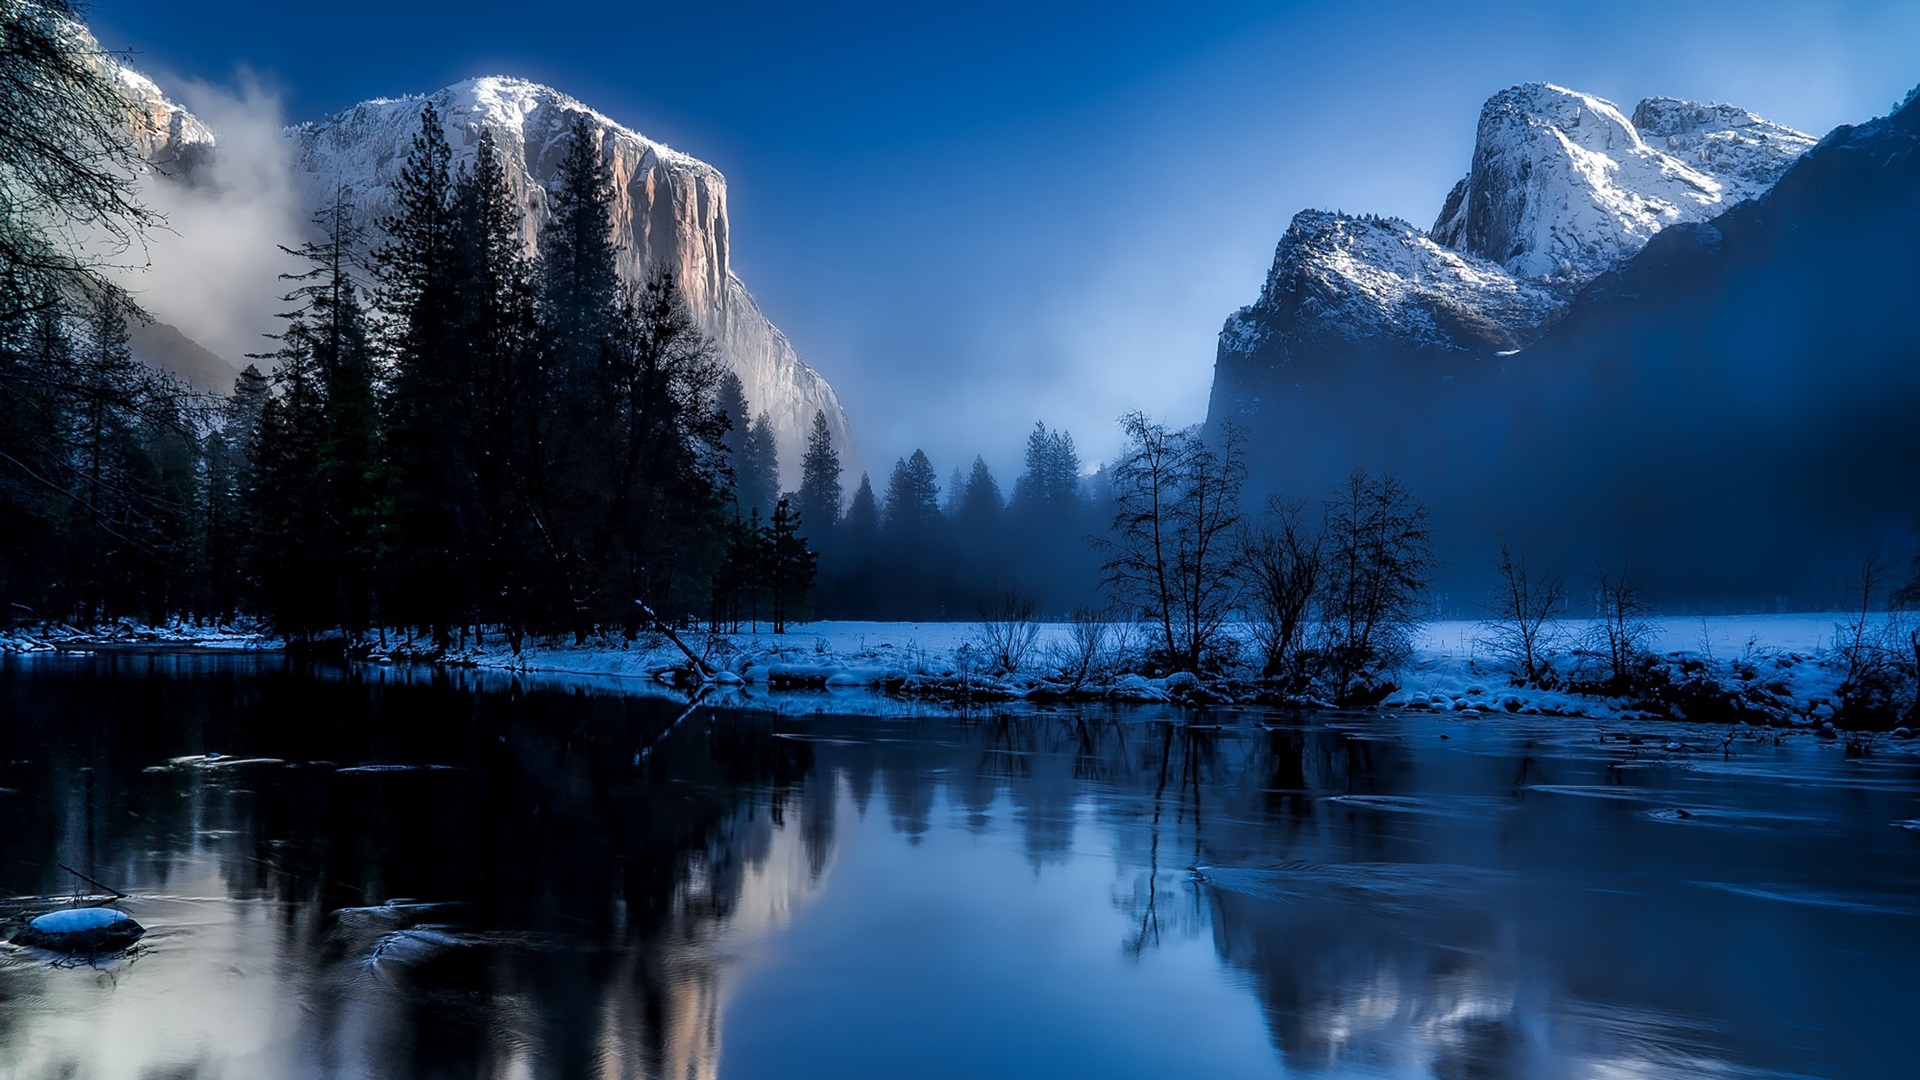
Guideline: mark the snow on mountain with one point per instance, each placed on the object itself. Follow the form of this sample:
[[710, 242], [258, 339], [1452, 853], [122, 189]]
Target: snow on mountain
[[1379, 280], [165, 134], [670, 212], [1564, 186]]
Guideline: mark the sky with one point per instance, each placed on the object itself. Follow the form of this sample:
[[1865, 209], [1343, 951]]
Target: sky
[[970, 217]]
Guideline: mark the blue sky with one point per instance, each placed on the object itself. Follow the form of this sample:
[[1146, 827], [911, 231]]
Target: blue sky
[[973, 216]]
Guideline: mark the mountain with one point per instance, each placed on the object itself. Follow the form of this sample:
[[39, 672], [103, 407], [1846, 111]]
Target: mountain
[[1743, 390], [1688, 342], [670, 212], [171, 139], [1562, 187], [163, 347]]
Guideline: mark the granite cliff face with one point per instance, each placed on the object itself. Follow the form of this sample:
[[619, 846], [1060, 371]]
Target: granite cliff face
[[1563, 188], [670, 212], [169, 137]]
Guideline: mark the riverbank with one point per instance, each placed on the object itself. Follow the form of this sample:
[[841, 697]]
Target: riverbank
[[1778, 670], [1769, 670]]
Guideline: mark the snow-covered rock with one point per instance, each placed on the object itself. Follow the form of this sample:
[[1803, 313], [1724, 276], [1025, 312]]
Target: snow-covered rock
[[669, 210], [1564, 186], [1343, 280], [82, 931], [166, 134]]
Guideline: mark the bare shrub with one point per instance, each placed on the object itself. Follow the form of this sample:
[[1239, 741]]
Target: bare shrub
[[1522, 630], [1873, 652], [1622, 632], [1280, 566], [1087, 652], [1008, 629]]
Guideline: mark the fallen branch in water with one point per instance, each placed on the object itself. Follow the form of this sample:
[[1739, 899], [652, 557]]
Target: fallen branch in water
[[96, 883]]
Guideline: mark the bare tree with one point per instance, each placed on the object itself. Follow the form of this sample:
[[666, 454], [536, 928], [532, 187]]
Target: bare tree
[[1170, 555], [1376, 565], [1621, 630], [69, 203], [1008, 628], [1280, 571], [1522, 604]]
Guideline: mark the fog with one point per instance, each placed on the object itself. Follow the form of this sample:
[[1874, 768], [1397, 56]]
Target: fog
[[213, 270]]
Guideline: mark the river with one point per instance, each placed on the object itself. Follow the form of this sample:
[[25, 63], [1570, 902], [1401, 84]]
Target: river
[[403, 872]]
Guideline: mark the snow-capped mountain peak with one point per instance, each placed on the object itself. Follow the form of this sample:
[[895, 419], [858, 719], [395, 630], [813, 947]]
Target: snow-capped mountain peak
[[1563, 185]]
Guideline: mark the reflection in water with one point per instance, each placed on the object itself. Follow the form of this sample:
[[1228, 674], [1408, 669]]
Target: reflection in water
[[405, 873]]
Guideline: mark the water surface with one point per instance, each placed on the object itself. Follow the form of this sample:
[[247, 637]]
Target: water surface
[[400, 873]]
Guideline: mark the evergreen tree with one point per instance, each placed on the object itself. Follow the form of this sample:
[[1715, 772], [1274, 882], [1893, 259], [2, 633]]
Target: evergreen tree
[[913, 495], [431, 418], [348, 455], [789, 567], [286, 561], [820, 494], [1051, 481], [232, 447], [757, 470], [506, 382], [956, 493], [980, 506], [863, 513], [731, 400]]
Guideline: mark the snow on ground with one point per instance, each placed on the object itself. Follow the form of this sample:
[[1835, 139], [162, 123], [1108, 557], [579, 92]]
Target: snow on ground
[[1781, 666], [60, 637]]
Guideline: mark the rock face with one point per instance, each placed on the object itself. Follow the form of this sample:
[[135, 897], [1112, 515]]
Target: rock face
[[1563, 188], [670, 212], [168, 136], [1346, 287]]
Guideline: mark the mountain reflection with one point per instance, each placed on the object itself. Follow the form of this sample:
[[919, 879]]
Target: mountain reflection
[[395, 873]]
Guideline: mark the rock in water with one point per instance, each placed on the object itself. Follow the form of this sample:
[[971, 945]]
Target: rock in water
[[82, 931]]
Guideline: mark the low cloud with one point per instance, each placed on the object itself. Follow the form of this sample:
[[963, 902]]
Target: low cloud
[[213, 271]]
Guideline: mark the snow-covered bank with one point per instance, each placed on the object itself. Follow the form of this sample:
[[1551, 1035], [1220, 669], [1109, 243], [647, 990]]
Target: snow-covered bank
[[60, 637], [1778, 669], [1775, 669]]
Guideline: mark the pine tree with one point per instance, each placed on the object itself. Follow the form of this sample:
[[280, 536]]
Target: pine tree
[[789, 567], [820, 494], [347, 459], [1051, 482], [431, 417], [286, 561], [507, 384], [980, 506], [757, 471], [231, 450], [863, 513], [913, 495]]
